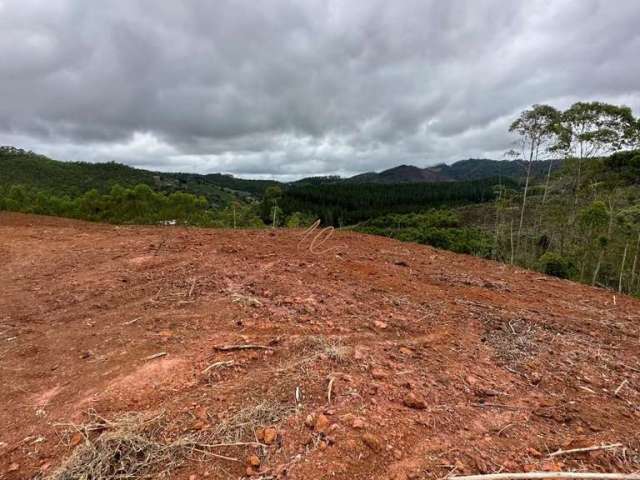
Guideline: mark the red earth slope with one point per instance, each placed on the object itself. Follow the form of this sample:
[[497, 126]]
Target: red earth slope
[[438, 363]]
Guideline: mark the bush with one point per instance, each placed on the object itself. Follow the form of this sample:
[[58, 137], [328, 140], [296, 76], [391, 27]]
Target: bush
[[556, 265]]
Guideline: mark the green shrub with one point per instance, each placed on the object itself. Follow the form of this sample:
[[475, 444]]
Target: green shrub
[[554, 264]]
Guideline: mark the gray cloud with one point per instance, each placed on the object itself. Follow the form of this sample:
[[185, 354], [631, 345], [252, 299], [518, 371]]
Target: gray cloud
[[291, 88]]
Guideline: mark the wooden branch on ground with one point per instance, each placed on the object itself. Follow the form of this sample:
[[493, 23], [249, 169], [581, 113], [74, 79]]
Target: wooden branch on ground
[[544, 475], [330, 389], [156, 355], [620, 387], [193, 285], [218, 365], [246, 346], [497, 405], [585, 449]]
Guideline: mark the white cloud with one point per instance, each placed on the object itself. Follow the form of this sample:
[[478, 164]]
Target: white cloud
[[287, 89]]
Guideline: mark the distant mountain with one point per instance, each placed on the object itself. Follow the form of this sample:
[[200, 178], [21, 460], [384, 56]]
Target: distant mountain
[[20, 167], [401, 174], [471, 169]]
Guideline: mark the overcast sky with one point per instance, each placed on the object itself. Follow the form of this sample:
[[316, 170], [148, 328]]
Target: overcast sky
[[287, 89]]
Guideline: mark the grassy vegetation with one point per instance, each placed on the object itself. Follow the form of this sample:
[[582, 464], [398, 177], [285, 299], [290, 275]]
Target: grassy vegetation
[[439, 228], [137, 205]]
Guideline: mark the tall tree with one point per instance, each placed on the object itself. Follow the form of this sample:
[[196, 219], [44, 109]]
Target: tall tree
[[629, 219], [591, 129], [537, 129]]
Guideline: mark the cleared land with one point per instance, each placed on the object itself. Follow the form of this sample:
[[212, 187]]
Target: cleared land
[[116, 340]]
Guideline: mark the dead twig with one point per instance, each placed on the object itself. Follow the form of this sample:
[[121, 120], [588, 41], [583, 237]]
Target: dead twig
[[620, 387], [631, 368], [193, 285], [131, 322], [330, 388], [497, 405], [585, 449], [246, 346], [156, 355], [542, 475], [218, 365]]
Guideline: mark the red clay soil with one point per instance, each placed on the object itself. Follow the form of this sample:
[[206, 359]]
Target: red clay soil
[[438, 363]]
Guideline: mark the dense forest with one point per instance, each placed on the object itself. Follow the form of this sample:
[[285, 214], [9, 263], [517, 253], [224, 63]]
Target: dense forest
[[574, 212], [347, 203]]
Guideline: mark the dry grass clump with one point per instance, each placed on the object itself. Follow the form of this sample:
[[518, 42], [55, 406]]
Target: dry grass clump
[[135, 446], [240, 426], [513, 341], [312, 349], [125, 448], [319, 347], [245, 300]]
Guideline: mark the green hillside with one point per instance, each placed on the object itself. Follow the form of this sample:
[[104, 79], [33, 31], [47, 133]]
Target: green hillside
[[20, 167]]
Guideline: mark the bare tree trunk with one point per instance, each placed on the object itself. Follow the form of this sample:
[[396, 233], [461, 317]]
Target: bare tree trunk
[[546, 183], [602, 250], [544, 195], [524, 198], [512, 249], [624, 258], [578, 181], [634, 264], [275, 209], [234, 216], [583, 266], [496, 238], [597, 270]]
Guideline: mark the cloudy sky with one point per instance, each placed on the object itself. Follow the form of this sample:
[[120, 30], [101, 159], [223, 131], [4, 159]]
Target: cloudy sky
[[287, 89]]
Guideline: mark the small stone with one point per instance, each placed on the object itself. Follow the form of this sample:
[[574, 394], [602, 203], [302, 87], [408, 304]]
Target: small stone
[[202, 413], [371, 441], [322, 423], [406, 351], [380, 324], [358, 423], [76, 438], [309, 421], [14, 466], [200, 425], [358, 354], [254, 461], [378, 374], [533, 452], [270, 435], [397, 454], [412, 401]]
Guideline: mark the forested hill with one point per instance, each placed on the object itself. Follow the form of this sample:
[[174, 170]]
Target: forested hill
[[463, 170], [20, 167]]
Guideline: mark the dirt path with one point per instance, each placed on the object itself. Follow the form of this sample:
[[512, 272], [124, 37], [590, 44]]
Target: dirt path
[[437, 362]]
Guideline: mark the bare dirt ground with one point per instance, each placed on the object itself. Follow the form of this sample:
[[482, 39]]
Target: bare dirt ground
[[436, 363]]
